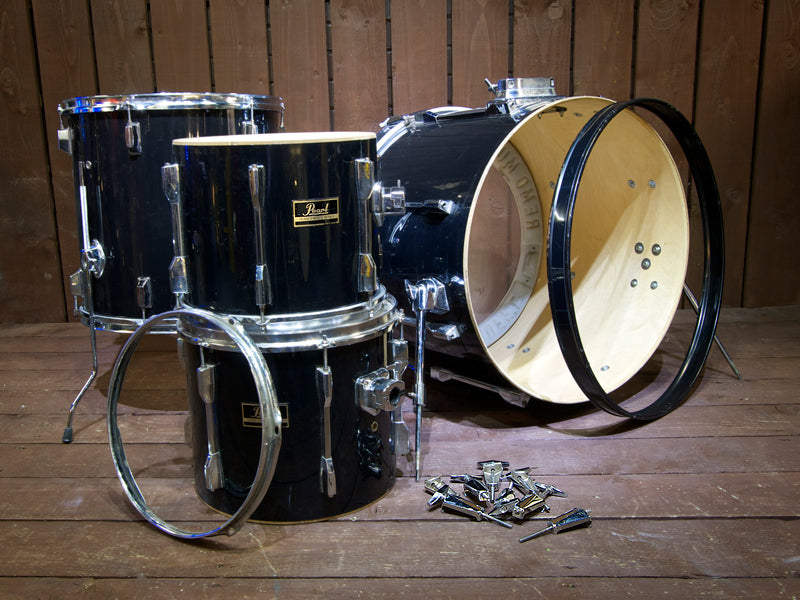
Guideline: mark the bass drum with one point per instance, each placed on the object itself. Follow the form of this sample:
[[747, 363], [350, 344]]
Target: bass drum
[[118, 144], [479, 187]]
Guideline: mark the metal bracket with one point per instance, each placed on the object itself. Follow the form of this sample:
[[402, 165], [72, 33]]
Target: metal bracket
[[263, 287], [144, 294], [511, 396], [378, 391], [325, 388]]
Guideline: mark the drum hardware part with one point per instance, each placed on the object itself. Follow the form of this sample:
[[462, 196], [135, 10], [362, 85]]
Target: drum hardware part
[[93, 257], [133, 135], [427, 295], [530, 504], [693, 301], [443, 331], [514, 397], [397, 352], [518, 96], [444, 495], [64, 133], [569, 520], [263, 282], [492, 474], [178, 271], [268, 411], [207, 388], [545, 490], [388, 201], [325, 388], [365, 181], [504, 504], [472, 486], [378, 390], [434, 207], [144, 295], [81, 282]]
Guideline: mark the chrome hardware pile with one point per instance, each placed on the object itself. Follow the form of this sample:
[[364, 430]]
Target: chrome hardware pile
[[485, 498]]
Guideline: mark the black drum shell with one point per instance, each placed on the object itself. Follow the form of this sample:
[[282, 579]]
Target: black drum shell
[[127, 210], [308, 268], [363, 458]]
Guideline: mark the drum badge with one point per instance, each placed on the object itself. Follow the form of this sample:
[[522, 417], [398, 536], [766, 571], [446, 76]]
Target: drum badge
[[316, 211]]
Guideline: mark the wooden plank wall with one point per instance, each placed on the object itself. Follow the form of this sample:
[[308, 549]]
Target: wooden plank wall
[[732, 66]]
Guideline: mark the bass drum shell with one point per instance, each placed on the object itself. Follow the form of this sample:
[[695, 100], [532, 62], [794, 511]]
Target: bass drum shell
[[312, 262], [363, 458], [127, 211], [630, 239]]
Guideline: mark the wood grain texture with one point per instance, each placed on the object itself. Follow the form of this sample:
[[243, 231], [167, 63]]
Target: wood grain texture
[[701, 503], [119, 24], [180, 46], [419, 55], [603, 48], [360, 82], [771, 274], [299, 63], [30, 269], [727, 88], [542, 41], [480, 49], [239, 46]]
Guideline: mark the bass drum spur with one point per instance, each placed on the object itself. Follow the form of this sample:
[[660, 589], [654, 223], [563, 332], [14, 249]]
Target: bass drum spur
[[535, 233]]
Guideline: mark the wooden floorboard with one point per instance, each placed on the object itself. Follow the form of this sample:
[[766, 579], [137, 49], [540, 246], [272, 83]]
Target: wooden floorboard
[[703, 503]]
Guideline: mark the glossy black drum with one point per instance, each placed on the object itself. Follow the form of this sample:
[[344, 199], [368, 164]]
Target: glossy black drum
[[340, 415], [479, 187], [273, 224], [274, 232], [118, 145]]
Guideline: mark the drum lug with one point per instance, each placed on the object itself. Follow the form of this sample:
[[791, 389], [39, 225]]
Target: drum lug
[[133, 138], [367, 277], [144, 294], [78, 287], [263, 287], [378, 391], [65, 140], [325, 388], [178, 271], [206, 387]]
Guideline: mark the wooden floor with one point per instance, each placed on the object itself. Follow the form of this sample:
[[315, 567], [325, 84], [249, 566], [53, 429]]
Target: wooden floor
[[703, 503]]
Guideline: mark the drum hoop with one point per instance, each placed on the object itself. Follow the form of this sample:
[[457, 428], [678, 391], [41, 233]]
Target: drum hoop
[[169, 101], [558, 259], [270, 425], [306, 331], [124, 324]]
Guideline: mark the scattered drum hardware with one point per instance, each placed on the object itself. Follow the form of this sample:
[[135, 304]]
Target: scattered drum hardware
[[272, 237], [484, 499], [493, 284], [118, 144]]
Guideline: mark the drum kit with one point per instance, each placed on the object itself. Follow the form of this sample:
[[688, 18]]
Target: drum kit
[[288, 266]]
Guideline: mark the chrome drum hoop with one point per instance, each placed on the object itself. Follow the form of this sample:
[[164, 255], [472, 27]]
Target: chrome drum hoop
[[123, 324], [270, 424], [305, 331], [168, 101]]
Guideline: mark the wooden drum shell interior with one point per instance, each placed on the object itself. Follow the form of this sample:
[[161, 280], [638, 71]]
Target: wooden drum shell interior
[[629, 250]]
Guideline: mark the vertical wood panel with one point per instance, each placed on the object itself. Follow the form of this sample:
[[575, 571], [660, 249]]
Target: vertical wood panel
[[725, 118], [480, 49], [360, 93], [30, 273], [603, 48], [299, 63], [772, 275], [666, 45], [419, 55], [542, 45], [180, 45], [66, 70], [239, 46], [122, 47]]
